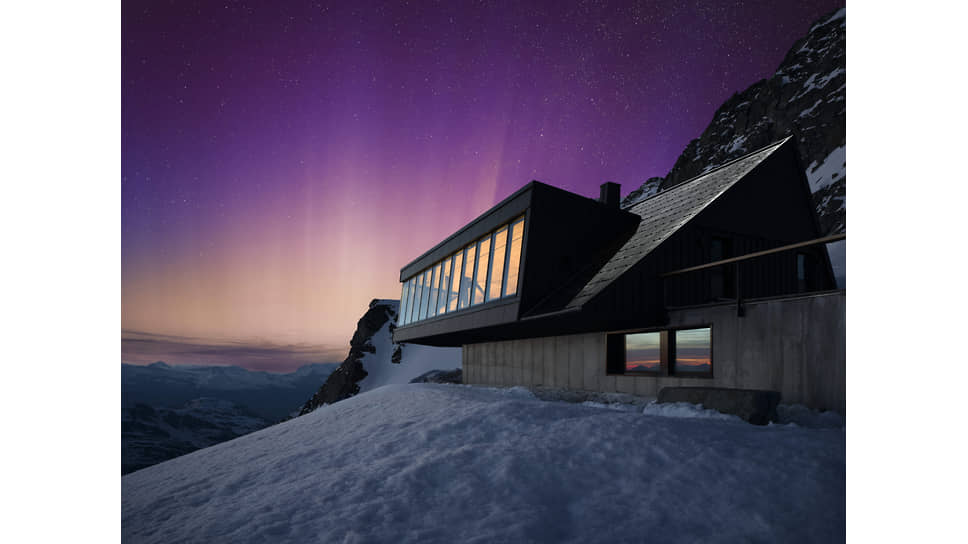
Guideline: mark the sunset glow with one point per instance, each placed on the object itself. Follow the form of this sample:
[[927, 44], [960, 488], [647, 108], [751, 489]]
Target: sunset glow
[[642, 352], [693, 350]]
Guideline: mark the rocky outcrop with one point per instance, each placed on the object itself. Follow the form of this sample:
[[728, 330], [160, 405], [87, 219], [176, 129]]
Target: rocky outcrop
[[343, 382], [806, 98]]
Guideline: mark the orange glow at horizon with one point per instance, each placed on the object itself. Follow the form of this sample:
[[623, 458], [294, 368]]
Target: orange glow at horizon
[[295, 269]]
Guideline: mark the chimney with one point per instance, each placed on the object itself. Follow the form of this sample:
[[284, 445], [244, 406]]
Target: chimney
[[610, 194]]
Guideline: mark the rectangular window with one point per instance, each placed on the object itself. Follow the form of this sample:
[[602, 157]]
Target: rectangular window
[[643, 352], [410, 298], [422, 298], [487, 269], [467, 277], [404, 294], [686, 353], [694, 353], [514, 258], [497, 268], [480, 279], [434, 290], [425, 299], [444, 287], [455, 281]]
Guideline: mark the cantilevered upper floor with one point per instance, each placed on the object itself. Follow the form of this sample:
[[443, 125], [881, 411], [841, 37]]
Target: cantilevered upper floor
[[546, 261], [509, 260]]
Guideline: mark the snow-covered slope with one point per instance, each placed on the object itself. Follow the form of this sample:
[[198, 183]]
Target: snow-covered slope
[[456, 463], [414, 359], [375, 360]]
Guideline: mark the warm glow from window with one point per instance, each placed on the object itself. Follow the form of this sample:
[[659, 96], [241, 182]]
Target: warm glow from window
[[455, 281], [497, 268], [514, 257], [486, 270], [480, 280]]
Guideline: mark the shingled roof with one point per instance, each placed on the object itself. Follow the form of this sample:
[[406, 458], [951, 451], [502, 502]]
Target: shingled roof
[[666, 212]]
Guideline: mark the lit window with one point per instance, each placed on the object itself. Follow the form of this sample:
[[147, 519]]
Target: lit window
[[424, 291], [497, 267], [693, 352], [480, 279], [455, 281], [468, 276], [434, 289], [444, 287], [643, 352], [514, 257]]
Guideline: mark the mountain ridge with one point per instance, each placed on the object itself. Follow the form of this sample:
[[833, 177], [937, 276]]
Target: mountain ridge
[[796, 100]]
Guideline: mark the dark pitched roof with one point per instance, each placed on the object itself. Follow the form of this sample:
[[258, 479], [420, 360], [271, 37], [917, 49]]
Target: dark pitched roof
[[666, 212]]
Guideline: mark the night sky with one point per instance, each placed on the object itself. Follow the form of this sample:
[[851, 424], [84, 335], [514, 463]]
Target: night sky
[[282, 162]]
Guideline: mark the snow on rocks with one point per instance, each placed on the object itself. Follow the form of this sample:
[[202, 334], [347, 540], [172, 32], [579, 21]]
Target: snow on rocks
[[834, 167], [458, 463]]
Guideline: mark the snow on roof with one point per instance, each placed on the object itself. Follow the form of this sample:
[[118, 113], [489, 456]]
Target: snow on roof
[[666, 212]]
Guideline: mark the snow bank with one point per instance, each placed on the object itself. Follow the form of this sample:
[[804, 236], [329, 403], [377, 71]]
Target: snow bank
[[687, 410], [457, 463]]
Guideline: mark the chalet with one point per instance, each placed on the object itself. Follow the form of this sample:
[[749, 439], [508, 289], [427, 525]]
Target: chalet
[[722, 281]]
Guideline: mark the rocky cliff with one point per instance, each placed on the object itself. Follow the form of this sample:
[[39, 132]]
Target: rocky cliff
[[806, 97], [375, 360]]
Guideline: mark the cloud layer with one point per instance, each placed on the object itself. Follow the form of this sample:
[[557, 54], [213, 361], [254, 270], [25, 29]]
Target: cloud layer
[[144, 348]]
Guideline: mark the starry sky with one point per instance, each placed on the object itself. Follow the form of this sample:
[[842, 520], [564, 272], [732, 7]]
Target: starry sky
[[281, 161]]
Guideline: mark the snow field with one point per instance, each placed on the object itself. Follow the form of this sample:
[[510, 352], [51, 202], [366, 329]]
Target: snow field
[[454, 463]]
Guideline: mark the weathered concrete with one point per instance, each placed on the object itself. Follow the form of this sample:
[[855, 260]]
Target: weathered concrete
[[793, 345]]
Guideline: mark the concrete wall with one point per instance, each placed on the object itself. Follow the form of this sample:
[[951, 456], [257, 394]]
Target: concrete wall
[[793, 345]]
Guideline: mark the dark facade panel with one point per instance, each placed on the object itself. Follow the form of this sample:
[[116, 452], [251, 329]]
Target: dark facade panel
[[570, 237]]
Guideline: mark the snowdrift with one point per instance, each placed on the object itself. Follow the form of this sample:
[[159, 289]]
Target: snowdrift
[[457, 463]]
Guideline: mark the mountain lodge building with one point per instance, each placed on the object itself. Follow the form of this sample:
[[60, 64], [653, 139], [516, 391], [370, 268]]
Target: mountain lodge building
[[722, 280]]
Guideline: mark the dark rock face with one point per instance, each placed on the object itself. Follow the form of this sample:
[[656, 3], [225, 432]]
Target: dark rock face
[[342, 383], [755, 406], [440, 376], [806, 98]]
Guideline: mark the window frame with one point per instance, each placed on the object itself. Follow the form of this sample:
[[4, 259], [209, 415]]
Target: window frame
[[667, 353], [422, 297]]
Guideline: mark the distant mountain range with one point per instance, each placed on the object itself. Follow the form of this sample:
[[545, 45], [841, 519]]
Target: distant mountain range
[[806, 98], [167, 411]]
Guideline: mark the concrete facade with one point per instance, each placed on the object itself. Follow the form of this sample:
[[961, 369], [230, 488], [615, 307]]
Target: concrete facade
[[794, 345]]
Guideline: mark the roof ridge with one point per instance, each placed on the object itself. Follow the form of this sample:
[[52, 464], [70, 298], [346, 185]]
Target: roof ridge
[[777, 143], [662, 221]]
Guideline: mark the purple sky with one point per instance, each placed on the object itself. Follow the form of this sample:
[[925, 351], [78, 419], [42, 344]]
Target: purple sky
[[282, 161]]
